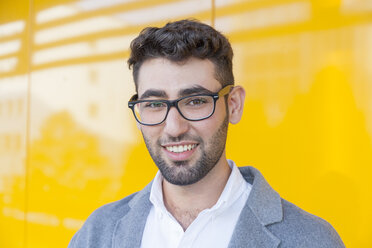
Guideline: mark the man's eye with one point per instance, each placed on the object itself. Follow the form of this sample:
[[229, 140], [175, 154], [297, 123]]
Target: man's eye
[[155, 105], [197, 101]]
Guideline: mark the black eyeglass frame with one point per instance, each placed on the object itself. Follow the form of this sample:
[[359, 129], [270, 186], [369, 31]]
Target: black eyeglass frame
[[174, 103]]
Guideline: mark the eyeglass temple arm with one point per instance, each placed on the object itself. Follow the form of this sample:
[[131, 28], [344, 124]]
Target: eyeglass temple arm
[[225, 90]]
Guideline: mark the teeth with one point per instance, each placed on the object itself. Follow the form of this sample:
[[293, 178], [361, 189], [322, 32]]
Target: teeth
[[179, 149]]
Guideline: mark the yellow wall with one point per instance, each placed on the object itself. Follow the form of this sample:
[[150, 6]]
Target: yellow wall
[[68, 142]]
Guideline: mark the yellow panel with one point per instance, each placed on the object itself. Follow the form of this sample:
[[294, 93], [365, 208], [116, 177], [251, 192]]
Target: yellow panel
[[13, 121], [85, 149], [308, 114]]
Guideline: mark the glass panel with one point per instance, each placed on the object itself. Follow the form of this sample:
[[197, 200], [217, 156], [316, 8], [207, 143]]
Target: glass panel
[[84, 143], [306, 68], [13, 121]]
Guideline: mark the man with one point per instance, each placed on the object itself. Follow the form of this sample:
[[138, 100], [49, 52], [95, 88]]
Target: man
[[185, 100]]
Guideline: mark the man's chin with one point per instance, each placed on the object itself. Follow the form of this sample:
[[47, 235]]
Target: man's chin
[[180, 180], [182, 173]]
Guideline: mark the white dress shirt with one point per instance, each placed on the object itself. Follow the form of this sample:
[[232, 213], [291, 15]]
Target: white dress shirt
[[213, 227]]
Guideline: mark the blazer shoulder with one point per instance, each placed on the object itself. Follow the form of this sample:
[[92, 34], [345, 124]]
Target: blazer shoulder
[[302, 229], [98, 228], [112, 210]]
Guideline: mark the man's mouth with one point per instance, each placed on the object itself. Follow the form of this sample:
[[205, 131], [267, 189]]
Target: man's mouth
[[180, 148], [180, 151]]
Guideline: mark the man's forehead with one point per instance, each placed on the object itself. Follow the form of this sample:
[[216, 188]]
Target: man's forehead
[[174, 76]]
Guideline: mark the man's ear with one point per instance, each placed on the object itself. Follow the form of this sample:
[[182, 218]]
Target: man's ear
[[236, 104]]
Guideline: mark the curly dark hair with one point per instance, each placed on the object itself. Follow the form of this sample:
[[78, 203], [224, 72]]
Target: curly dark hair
[[180, 40]]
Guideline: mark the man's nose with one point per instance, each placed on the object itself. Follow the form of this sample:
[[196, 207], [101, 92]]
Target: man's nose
[[175, 124]]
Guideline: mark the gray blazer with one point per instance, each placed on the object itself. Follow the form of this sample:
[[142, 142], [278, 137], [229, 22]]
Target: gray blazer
[[265, 221]]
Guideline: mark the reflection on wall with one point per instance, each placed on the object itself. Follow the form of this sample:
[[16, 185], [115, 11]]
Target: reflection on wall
[[13, 112], [12, 45], [84, 146]]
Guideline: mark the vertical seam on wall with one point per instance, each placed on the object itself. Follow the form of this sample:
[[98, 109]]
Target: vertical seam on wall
[[213, 13], [28, 114]]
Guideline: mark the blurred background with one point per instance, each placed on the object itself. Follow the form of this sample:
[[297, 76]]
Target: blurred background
[[69, 144]]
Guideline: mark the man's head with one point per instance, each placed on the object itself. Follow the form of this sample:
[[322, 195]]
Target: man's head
[[180, 40], [184, 63]]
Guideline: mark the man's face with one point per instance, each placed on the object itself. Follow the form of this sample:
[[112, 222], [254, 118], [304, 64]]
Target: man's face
[[204, 140]]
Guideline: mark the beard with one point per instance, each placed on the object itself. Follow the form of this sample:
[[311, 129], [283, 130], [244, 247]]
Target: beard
[[182, 172]]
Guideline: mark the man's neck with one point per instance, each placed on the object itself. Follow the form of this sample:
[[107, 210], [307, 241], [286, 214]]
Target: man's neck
[[186, 202]]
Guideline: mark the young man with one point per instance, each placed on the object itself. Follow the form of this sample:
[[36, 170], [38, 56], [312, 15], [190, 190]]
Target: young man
[[185, 100]]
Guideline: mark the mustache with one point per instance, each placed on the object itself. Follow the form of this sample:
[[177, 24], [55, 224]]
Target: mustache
[[180, 138]]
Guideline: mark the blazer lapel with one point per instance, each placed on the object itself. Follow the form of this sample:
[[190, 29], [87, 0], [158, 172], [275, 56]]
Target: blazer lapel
[[250, 232], [129, 229], [263, 207]]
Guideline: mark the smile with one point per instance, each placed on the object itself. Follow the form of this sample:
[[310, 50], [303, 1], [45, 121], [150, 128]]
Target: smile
[[180, 148]]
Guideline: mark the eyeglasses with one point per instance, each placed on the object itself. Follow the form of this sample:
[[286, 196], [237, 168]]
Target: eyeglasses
[[193, 108]]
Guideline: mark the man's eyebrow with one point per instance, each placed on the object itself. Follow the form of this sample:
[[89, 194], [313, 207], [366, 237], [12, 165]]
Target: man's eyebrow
[[194, 90], [153, 93]]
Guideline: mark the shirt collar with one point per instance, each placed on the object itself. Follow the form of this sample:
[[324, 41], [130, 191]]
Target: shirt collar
[[156, 194], [235, 186]]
